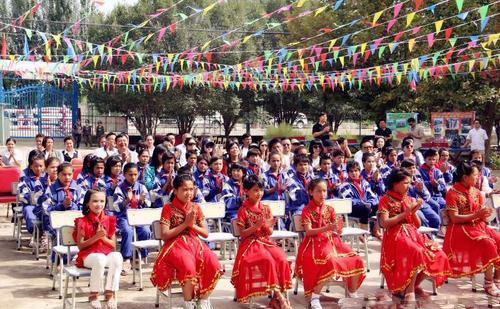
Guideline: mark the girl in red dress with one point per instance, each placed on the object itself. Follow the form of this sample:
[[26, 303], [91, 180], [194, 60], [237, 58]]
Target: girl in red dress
[[184, 256], [407, 257], [322, 255], [260, 266], [95, 236], [471, 246]]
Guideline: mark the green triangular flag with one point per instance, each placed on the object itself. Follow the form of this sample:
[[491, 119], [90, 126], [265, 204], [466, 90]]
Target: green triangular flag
[[139, 57], [267, 54], [435, 58], [28, 33], [453, 41], [395, 66], [460, 4], [65, 59], [483, 11], [381, 51], [335, 55], [316, 65], [125, 38]]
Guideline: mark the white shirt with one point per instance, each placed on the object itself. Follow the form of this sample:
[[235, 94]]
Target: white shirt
[[103, 153], [134, 158], [181, 148], [8, 161], [244, 151], [477, 137], [358, 157], [418, 135], [287, 159]]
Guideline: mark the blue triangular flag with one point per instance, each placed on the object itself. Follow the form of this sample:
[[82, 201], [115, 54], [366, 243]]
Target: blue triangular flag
[[26, 48], [432, 8], [484, 22], [337, 4], [463, 15], [345, 38]]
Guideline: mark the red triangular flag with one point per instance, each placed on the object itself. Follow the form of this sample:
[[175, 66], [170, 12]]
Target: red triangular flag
[[417, 4], [172, 28], [447, 34]]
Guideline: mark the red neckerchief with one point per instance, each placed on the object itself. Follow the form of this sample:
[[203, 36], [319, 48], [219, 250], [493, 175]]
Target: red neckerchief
[[369, 176], [430, 171], [67, 192], [357, 184], [341, 172], [94, 186], [256, 208], [168, 178], [96, 220], [184, 207], [278, 182], [254, 167], [467, 191], [241, 188], [304, 179], [218, 183]]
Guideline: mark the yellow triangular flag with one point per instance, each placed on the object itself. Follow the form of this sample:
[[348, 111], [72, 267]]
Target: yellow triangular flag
[[57, 38], [148, 37], [377, 69], [301, 61], [409, 19], [405, 68], [205, 45], [411, 43], [342, 60], [438, 25], [363, 48], [376, 17], [245, 39], [320, 10], [95, 58], [301, 3], [332, 43], [208, 8], [471, 64]]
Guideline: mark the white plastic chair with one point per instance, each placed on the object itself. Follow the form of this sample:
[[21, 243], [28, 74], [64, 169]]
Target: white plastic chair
[[278, 212], [343, 207], [139, 217], [58, 219], [298, 227], [216, 212]]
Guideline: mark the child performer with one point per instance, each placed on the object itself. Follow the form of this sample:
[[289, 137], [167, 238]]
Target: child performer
[[184, 256], [260, 265], [95, 237], [322, 255], [408, 257]]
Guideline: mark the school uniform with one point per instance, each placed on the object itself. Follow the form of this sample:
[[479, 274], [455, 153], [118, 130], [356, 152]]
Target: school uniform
[[418, 159], [53, 200], [448, 174], [429, 211], [202, 182], [232, 195], [254, 169], [216, 184], [385, 171], [340, 172], [432, 173], [364, 200], [81, 177], [146, 176], [332, 182], [377, 185], [159, 195], [276, 181], [30, 189], [121, 205], [487, 173], [297, 190], [68, 156], [94, 183]]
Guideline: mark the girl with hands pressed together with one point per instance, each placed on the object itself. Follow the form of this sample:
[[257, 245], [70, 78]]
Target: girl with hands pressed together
[[260, 265], [95, 237], [322, 255], [407, 257], [184, 256], [470, 244]]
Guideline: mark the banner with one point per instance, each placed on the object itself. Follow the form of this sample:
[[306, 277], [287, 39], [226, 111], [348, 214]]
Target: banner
[[398, 123], [447, 126]]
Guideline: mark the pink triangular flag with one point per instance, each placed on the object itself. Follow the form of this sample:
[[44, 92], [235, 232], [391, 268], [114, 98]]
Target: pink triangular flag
[[390, 24], [397, 8], [416, 30], [430, 39], [161, 34]]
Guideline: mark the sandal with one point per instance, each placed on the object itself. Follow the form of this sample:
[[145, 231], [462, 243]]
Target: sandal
[[409, 298], [94, 301], [111, 303], [127, 268], [490, 288]]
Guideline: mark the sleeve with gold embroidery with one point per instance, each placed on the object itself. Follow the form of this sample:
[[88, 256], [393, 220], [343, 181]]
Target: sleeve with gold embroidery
[[199, 215], [306, 217], [337, 220], [383, 206], [241, 219], [451, 200], [166, 215]]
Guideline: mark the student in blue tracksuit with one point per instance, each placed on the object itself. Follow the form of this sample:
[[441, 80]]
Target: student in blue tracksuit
[[326, 173], [87, 160], [433, 178], [232, 191], [364, 200], [62, 195], [112, 176], [390, 159], [297, 186], [216, 179], [146, 172], [31, 188], [429, 211], [275, 179], [476, 155], [200, 176], [253, 159], [445, 166], [95, 177], [164, 180], [338, 165], [371, 174], [130, 194]]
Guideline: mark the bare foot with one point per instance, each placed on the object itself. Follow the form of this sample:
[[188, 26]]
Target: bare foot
[[419, 292]]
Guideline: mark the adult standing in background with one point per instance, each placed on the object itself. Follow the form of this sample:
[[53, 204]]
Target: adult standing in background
[[150, 143], [109, 149], [68, 153], [416, 132], [246, 140], [77, 133], [180, 150], [87, 134], [385, 132], [477, 138], [11, 156], [39, 145], [48, 144], [321, 129], [99, 130]]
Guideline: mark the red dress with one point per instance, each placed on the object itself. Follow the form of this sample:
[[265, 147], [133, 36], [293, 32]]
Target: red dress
[[471, 247], [405, 251], [260, 265], [324, 256], [185, 257], [88, 227]]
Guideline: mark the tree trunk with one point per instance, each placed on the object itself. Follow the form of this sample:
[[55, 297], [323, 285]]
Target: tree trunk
[[488, 123]]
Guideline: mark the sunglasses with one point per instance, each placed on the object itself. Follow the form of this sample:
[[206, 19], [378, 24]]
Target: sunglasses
[[192, 144]]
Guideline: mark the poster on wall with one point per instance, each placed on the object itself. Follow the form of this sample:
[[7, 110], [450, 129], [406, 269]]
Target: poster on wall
[[398, 123], [447, 126]]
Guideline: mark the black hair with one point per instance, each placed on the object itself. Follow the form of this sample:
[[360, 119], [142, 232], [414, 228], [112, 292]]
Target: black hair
[[273, 142], [39, 135], [45, 139], [67, 138], [463, 169], [87, 160], [201, 158], [366, 139], [274, 153], [159, 150], [141, 151], [9, 140], [179, 180], [473, 152], [190, 153], [300, 159], [388, 150], [298, 149], [411, 119], [405, 143], [352, 165], [314, 143], [236, 166], [37, 156], [129, 166], [313, 183], [185, 170], [51, 159], [121, 135], [407, 163], [430, 153], [213, 160], [86, 200], [324, 157], [245, 135], [253, 180], [94, 163], [253, 153], [64, 165], [477, 163], [407, 138], [337, 152], [397, 175], [441, 150], [110, 162], [110, 134], [167, 156], [186, 142], [366, 156], [230, 144]]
